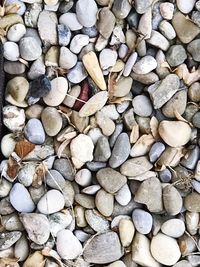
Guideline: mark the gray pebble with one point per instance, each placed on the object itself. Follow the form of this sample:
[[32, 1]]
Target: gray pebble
[[121, 8], [155, 151], [102, 151], [196, 17], [97, 222], [129, 64], [133, 19], [142, 106], [95, 165], [88, 7], [142, 220], [55, 180], [123, 50], [193, 156], [196, 120], [167, 30], [21, 199], [29, 48], [64, 6], [67, 59], [78, 42], [70, 20], [36, 69], [8, 239], [172, 200], [77, 73], [106, 22], [196, 185], [142, 6], [34, 131], [64, 167], [26, 174], [90, 31], [11, 51], [64, 35], [117, 131], [165, 176], [121, 151], [176, 55], [14, 67]]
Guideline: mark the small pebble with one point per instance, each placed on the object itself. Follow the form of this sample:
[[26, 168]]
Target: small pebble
[[155, 151], [145, 65], [173, 227], [89, 6], [34, 132], [29, 48], [107, 58], [11, 51], [70, 20], [16, 32], [78, 42], [51, 120], [142, 220]]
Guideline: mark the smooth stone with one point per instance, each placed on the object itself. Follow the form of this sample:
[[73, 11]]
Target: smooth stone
[[70, 20], [123, 50], [68, 246], [88, 7], [39, 87], [37, 69], [107, 248], [173, 227], [59, 221], [196, 120], [165, 176], [163, 91], [194, 92], [110, 111], [191, 202], [169, 248], [194, 260], [51, 202], [51, 58], [135, 166], [185, 29], [78, 42], [123, 86], [65, 168], [37, 227], [110, 180], [102, 150], [193, 156], [177, 103], [106, 125], [104, 202], [81, 148], [64, 7], [167, 10], [8, 239], [182, 263], [29, 48], [83, 177], [158, 40], [196, 17], [168, 128], [167, 30], [176, 55], [21, 199], [121, 8], [67, 59], [21, 6], [172, 200], [81, 235], [34, 132], [68, 193], [21, 249], [7, 145], [142, 106], [97, 222], [141, 251], [129, 64], [150, 194], [16, 32], [106, 22], [14, 67], [123, 196], [90, 31], [91, 190], [5, 188], [26, 174], [10, 19], [11, 51], [107, 58], [147, 79], [77, 74], [64, 35], [145, 65], [85, 201], [142, 6], [95, 134], [155, 151], [48, 34], [55, 180], [126, 232], [145, 24], [51, 120], [142, 221], [13, 118], [34, 111], [74, 93], [95, 165], [185, 7]]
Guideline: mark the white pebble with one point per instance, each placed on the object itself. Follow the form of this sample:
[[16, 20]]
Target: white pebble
[[173, 227], [83, 177], [16, 32], [78, 42], [145, 65], [67, 59], [129, 64], [123, 196], [7, 144], [185, 6], [70, 20], [11, 51], [107, 58]]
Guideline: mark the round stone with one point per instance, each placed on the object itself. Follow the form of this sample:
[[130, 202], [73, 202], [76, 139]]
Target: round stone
[[104, 202], [107, 58], [193, 49], [172, 200], [165, 249], [83, 177], [67, 59], [173, 227], [176, 55], [142, 220], [185, 7], [16, 32], [77, 74], [194, 92], [155, 151], [29, 48], [88, 7], [70, 20], [34, 131], [26, 174], [11, 51], [145, 65], [142, 106], [51, 202], [8, 144], [78, 42], [51, 120]]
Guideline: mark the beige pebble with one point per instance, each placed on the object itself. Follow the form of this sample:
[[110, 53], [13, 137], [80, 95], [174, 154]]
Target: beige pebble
[[126, 232]]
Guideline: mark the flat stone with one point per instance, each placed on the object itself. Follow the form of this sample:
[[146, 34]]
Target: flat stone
[[142, 221], [172, 200], [48, 34], [85, 201], [169, 247], [51, 120], [89, 6], [106, 22], [167, 30], [107, 248], [158, 40], [142, 106], [37, 227], [156, 150], [123, 86], [110, 180], [14, 67], [55, 180], [173, 227]]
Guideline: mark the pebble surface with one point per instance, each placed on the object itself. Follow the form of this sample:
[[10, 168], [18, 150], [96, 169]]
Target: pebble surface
[[100, 152]]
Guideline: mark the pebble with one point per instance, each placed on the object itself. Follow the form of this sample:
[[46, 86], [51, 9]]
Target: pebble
[[123, 196], [5, 188], [117, 264], [59, 221], [176, 55], [89, 6], [97, 222], [64, 35], [26, 174], [191, 202], [105, 123], [182, 130], [68, 246], [167, 10], [107, 248], [37, 227], [34, 132], [123, 86], [29, 48], [110, 180], [107, 58], [70, 20], [102, 151], [135, 166], [106, 22], [55, 180], [78, 42], [14, 67], [11, 51], [142, 7], [20, 4], [185, 29], [67, 59], [126, 232], [8, 239], [193, 156], [142, 221], [169, 247], [37, 69], [7, 145], [158, 40], [77, 74], [155, 151], [193, 92], [121, 151], [145, 65], [141, 251], [21, 199], [167, 30], [51, 120], [142, 106], [129, 63], [51, 202], [21, 249], [81, 149], [65, 168], [173, 227], [183, 263], [16, 32], [121, 8], [185, 7], [172, 200], [91, 190], [104, 202]]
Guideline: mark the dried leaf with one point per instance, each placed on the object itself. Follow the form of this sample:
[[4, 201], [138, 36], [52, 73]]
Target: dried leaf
[[142, 146], [112, 84], [23, 148], [188, 77], [154, 128], [13, 168], [53, 254], [134, 134], [35, 259], [180, 118], [9, 262], [62, 148], [2, 11], [119, 100], [3, 32], [39, 175]]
